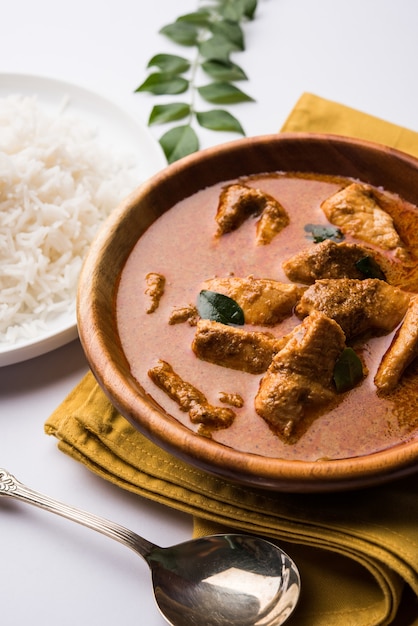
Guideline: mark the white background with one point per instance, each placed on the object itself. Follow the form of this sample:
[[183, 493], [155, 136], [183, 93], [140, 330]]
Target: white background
[[362, 53]]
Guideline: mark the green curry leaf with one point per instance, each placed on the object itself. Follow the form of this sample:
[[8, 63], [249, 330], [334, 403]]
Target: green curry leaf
[[370, 268], [219, 308], [217, 119], [201, 17], [238, 9], [182, 32], [319, 232], [170, 63], [179, 142], [217, 47], [223, 69], [223, 93], [250, 7], [169, 112], [231, 31], [348, 370], [163, 83]]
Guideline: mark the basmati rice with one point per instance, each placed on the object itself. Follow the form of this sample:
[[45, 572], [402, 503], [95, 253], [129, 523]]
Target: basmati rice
[[58, 183]]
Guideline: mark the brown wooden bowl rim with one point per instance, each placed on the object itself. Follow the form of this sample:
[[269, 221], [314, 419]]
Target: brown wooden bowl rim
[[165, 431]]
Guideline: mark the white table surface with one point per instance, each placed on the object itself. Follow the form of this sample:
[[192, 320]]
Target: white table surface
[[362, 53]]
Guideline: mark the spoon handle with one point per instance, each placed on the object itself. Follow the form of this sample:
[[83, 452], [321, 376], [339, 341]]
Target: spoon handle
[[10, 486]]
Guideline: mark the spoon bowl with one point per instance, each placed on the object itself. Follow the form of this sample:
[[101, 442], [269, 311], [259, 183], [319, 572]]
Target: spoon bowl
[[220, 580]]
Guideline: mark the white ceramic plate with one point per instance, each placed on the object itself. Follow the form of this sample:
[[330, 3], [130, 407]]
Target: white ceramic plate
[[114, 127]]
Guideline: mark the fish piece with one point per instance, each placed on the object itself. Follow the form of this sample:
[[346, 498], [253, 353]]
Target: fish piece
[[326, 259], [233, 399], [356, 210], [299, 377], [264, 302], [155, 285], [184, 393], [402, 351], [233, 347], [184, 314], [356, 305], [214, 417], [272, 221], [238, 202], [189, 398]]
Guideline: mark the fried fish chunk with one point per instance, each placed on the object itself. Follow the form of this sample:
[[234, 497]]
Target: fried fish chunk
[[233, 399], [264, 302], [272, 221], [155, 285], [238, 202], [356, 305], [356, 210], [402, 351], [189, 398], [299, 377], [327, 259], [236, 348], [184, 314], [384, 221]]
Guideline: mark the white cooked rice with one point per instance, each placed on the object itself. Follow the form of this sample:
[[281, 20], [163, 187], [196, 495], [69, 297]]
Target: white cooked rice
[[57, 185]]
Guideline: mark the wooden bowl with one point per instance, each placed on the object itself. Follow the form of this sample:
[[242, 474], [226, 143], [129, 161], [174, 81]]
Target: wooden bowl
[[323, 154]]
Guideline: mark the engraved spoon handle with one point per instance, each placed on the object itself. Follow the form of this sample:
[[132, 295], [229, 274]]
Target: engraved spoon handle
[[11, 487]]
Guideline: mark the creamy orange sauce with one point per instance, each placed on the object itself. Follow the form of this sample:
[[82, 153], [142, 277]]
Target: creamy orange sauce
[[181, 245]]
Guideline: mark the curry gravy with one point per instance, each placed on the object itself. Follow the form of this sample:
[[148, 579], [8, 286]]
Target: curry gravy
[[181, 245]]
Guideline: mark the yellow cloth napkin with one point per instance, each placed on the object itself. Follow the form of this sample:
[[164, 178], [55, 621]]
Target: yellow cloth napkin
[[357, 552], [315, 114]]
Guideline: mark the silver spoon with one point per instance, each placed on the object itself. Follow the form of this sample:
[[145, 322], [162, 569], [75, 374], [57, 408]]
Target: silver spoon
[[221, 580]]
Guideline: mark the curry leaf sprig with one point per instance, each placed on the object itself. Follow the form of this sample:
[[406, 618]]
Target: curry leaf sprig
[[213, 33]]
